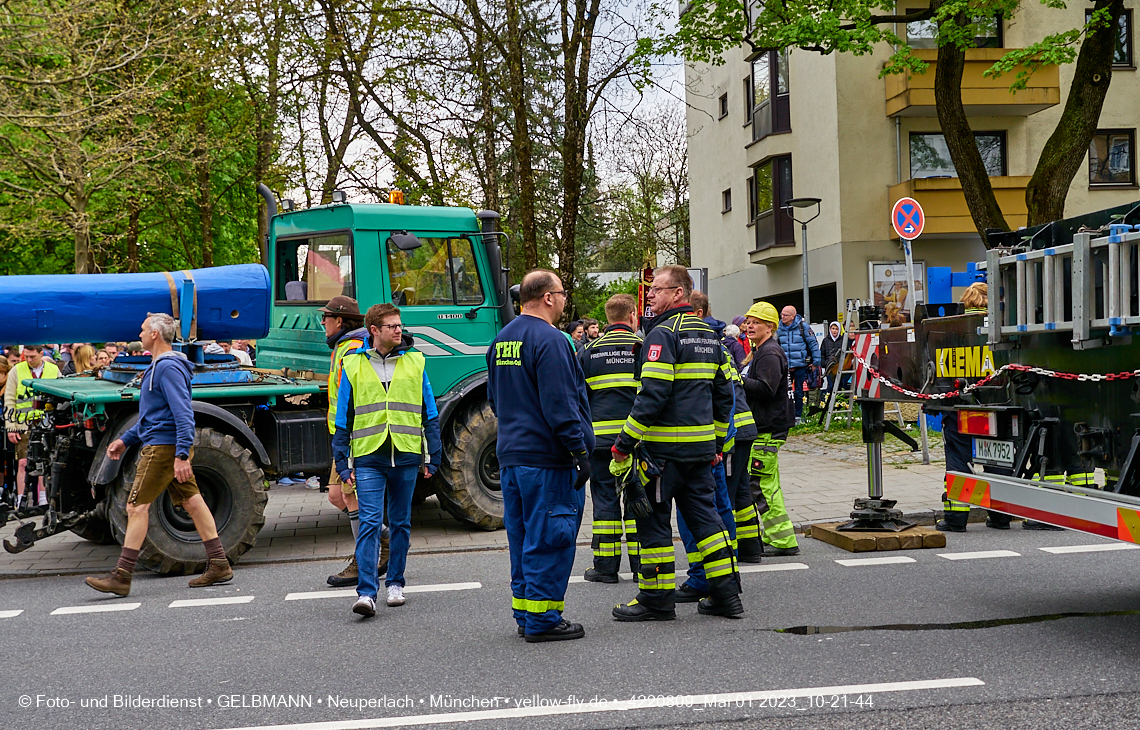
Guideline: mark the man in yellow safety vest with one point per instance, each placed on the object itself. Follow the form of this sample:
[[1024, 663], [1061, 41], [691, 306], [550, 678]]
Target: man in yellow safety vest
[[19, 412]]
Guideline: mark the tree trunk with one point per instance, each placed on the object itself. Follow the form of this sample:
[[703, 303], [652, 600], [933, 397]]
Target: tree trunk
[[205, 197], [963, 148], [522, 143], [132, 235], [1067, 146], [81, 233]]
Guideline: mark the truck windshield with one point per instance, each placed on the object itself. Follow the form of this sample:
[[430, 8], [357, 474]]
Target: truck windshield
[[314, 269], [442, 271]]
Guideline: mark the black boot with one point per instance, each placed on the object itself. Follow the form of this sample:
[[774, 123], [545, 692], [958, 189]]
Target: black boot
[[634, 611], [727, 606], [564, 631], [595, 576], [997, 521], [953, 521], [688, 594], [1034, 525]]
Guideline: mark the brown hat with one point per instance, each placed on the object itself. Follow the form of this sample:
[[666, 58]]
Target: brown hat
[[342, 306]]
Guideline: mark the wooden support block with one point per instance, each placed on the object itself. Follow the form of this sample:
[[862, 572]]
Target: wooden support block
[[862, 542]]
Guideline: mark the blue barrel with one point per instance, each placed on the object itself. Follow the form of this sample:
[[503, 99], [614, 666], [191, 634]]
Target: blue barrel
[[233, 303]]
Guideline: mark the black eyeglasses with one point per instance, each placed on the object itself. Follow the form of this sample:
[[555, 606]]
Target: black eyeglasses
[[563, 292], [392, 327], [663, 288]]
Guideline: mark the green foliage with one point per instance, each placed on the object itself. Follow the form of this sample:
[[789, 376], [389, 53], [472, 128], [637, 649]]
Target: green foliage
[[618, 286]]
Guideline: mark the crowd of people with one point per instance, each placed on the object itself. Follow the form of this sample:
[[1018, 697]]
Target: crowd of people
[[32, 362]]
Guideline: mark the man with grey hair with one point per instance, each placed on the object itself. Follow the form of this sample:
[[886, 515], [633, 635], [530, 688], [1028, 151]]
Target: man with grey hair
[[166, 431]]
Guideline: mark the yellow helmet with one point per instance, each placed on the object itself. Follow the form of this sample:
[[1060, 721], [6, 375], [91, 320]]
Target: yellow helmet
[[764, 312]]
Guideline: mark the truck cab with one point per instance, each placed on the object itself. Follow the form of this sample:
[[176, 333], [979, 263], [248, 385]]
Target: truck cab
[[443, 268]]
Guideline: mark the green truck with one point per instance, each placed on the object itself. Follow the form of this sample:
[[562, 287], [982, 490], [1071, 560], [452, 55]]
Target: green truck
[[444, 268]]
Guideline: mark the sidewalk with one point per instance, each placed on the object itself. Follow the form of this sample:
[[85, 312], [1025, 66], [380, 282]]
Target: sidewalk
[[820, 482]]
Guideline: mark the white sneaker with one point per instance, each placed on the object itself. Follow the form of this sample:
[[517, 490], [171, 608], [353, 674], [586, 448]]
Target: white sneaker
[[365, 606], [313, 483], [395, 595]]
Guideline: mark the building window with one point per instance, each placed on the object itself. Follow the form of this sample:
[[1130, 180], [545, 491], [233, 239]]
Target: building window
[[751, 186], [1122, 54], [771, 110], [726, 200], [723, 106], [748, 103], [924, 33], [930, 157], [772, 183], [1112, 157]]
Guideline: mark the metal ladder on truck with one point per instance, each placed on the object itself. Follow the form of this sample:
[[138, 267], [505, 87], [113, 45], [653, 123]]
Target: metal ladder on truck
[[853, 306], [1085, 287]]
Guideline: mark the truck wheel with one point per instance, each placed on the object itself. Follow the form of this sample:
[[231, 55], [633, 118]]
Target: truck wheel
[[97, 530], [234, 489], [468, 479]]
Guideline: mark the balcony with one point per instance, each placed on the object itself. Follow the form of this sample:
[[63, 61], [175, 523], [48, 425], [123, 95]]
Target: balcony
[[912, 95], [944, 204]]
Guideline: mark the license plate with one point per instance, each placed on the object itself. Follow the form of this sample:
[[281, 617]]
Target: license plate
[[993, 452]]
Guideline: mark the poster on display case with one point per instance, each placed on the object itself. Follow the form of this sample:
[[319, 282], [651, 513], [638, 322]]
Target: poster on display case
[[890, 288]]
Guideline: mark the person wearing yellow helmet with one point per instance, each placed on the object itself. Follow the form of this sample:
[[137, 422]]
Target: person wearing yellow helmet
[[768, 387]]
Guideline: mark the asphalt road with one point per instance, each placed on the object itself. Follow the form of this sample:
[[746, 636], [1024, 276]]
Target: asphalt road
[[971, 643]]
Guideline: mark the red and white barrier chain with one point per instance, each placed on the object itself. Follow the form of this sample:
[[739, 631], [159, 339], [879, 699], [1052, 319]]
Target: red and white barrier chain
[[1082, 377]]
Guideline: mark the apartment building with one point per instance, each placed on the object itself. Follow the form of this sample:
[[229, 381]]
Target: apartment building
[[765, 128]]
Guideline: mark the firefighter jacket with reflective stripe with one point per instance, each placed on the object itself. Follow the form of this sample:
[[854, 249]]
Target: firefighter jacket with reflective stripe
[[380, 412], [685, 400], [610, 364], [743, 424], [348, 342], [25, 396]]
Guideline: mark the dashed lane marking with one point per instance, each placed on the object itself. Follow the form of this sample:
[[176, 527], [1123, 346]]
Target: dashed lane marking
[[772, 567], [857, 562], [95, 608], [11, 614], [223, 601], [1098, 548], [351, 592], [980, 554], [683, 702]]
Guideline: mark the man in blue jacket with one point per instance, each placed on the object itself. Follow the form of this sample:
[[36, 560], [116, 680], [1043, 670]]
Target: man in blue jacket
[[799, 344], [385, 411], [536, 387], [166, 430]]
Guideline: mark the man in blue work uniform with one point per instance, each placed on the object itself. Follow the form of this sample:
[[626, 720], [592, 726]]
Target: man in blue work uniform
[[536, 388], [385, 413]]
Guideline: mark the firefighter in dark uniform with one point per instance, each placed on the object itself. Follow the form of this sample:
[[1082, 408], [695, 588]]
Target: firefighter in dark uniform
[[737, 452], [677, 426], [609, 364]]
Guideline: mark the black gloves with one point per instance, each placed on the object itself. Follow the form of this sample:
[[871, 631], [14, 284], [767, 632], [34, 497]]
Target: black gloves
[[636, 503], [582, 465]]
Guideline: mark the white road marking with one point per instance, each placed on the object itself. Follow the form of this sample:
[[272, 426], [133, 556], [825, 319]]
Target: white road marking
[[674, 701], [980, 554], [96, 608], [351, 592], [855, 562], [11, 614], [1098, 548], [772, 568], [223, 601]]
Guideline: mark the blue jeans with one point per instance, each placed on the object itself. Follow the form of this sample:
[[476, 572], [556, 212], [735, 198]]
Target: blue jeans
[[373, 483], [799, 377], [696, 579]]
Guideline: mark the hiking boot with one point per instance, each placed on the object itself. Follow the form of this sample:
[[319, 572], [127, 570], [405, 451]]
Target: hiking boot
[[688, 594], [395, 595], [217, 571], [775, 552], [634, 611], [365, 606], [118, 581], [564, 631], [595, 576], [347, 577], [729, 607], [385, 541]]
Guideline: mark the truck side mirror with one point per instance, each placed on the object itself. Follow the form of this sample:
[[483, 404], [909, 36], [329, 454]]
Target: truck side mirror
[[404, 241]]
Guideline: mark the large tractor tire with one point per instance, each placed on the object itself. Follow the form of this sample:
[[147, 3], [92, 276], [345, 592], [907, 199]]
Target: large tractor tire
[[234, 489], [468, 480], [97, 528]]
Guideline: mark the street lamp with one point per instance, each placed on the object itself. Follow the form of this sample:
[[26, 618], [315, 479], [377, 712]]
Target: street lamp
[[790, 207]]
